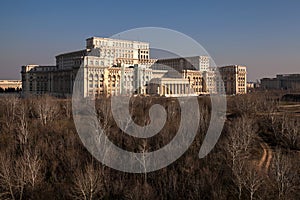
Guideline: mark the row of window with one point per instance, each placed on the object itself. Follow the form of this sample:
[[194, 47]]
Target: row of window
[[97, 63], [112, 51], [119, 44], [143, 57], [146, 52]]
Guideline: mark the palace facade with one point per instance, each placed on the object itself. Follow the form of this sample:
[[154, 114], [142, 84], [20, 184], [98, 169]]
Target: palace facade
[[122, 67]]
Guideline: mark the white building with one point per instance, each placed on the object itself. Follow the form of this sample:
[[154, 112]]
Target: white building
[[170, 87], [119, 67], [104, 61], [113, 51]]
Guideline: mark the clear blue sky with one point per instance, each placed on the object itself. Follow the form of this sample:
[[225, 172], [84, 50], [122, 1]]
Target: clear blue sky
[[264, 35]]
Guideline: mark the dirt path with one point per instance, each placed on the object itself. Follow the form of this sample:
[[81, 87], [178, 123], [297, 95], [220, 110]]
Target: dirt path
[[265, 161], [264, 156]]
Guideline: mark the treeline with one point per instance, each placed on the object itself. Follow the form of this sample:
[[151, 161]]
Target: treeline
[[10, 90], [42, 157], [291, 97]]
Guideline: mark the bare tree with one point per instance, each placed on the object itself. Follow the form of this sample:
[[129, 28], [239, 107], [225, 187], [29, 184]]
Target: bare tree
[[140, 190], [67, 108], [240, 136], [33, 167], [238, 175], [10, 106], [18, 173], [20, 176], [22, 124], [142, 161], [291, 132], [7, 178], [87, 183], [12, 177], [284, 175], [286, 129], [253, 180], [46, 108]]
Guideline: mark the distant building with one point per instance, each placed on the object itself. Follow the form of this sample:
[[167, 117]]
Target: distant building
[[234, 78], [282, 82], [252, 86], [10, 84], [37, 79]]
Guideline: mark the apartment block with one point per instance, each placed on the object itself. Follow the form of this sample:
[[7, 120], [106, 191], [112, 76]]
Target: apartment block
[[234, 78]]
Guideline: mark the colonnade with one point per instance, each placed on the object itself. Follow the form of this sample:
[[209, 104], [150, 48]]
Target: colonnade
[[174, 88]]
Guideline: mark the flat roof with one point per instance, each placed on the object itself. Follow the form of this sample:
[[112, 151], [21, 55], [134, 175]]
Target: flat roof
[[72, 52], [123, 40]]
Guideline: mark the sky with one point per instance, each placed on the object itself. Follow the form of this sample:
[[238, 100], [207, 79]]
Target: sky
[[263, 35]]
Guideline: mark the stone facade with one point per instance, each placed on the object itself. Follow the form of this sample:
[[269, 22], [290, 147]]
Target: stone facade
[[170, 87], [195, 80], [104, 61], [121, 67], [234, 78]]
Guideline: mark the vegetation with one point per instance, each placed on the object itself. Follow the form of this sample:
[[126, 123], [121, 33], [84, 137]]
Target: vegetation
[[10, 90], [257, 156]]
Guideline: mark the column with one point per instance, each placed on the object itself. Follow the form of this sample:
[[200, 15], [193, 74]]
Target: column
[[166, 87], [175, 90]]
